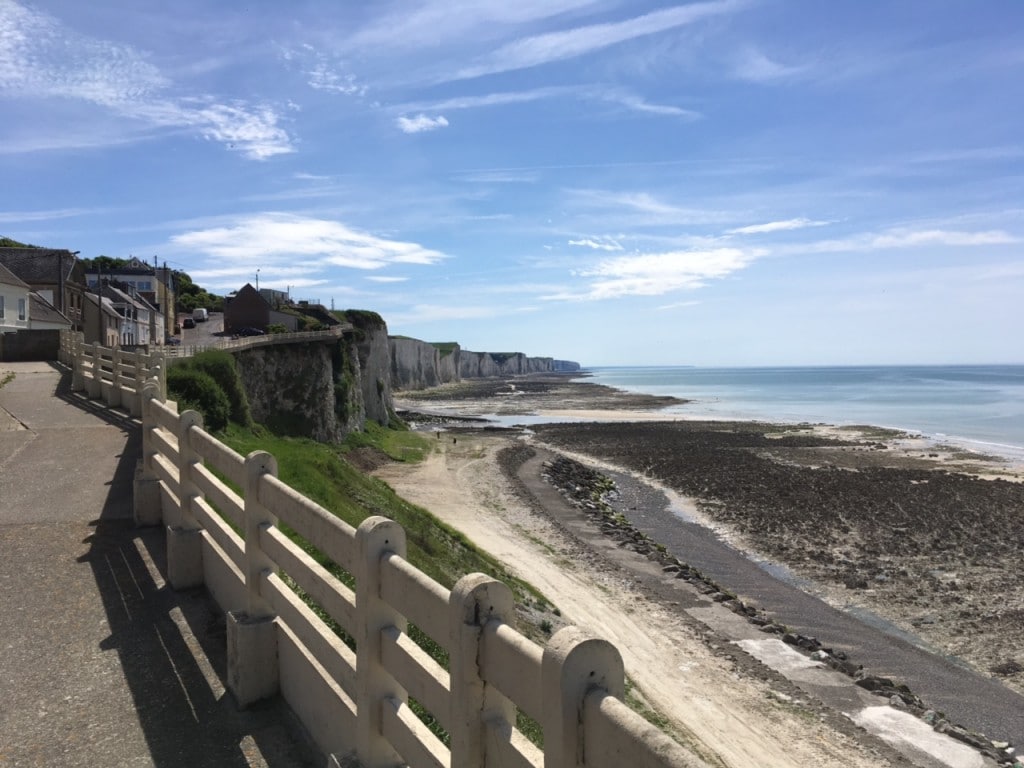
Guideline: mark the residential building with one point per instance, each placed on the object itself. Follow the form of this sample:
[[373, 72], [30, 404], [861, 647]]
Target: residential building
[[155, 284], [102, 322], [141, 323], [246, 309], [56, 275], [14, 302], [43, 316]]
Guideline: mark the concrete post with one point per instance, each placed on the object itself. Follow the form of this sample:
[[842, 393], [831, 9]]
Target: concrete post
[[573, 665], [77, 362], [93, 386], [257, 517], [184, 537], [114, 400], [252, 637], [375, 536], [147, 501], [475, 600]]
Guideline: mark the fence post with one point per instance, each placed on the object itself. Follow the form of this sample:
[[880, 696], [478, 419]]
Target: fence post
[[147, 501], [93, 383], [476, 707], [573, 665], [114, 398], [184, 536], [252, 636], [77, 362], [375, 536]]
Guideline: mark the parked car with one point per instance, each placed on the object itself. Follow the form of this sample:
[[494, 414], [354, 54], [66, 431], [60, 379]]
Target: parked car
[[172, 341], [188, 322], [200, 315], [250, 332]]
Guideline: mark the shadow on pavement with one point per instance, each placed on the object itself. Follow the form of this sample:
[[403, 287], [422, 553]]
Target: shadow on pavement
[[171, 645]]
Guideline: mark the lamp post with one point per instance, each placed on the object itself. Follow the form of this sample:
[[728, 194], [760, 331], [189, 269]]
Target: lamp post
[[257, 280]]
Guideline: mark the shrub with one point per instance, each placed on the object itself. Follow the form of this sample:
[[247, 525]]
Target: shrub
[[197, 390], [222, 367], [277, 328]]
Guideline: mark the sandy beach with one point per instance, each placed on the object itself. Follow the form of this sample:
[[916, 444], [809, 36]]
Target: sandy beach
[[927, 536]]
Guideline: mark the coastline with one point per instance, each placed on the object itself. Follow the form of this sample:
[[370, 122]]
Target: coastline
[[940, 566]]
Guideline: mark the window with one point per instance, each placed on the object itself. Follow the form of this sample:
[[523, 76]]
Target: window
[[21, 309], [1, 307]]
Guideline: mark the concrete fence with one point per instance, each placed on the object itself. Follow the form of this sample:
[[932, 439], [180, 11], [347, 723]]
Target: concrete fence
[[113, 375], [223, 512], [248, 342]]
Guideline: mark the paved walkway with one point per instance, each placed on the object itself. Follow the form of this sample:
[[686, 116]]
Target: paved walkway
[[101, 663]]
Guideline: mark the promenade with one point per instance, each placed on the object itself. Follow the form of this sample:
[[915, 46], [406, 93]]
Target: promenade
[[103, 664]]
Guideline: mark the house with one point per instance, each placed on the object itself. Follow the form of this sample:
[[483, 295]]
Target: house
[[155, 284], [246, 309], [141, 323], [29, 325], [43, 316], [102, 322], [14, 302], [56, 275]]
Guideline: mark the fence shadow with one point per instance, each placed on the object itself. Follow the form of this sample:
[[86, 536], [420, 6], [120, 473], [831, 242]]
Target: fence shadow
[[171, 645]]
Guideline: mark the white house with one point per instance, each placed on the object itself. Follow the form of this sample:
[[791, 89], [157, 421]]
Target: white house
[[14, 302]]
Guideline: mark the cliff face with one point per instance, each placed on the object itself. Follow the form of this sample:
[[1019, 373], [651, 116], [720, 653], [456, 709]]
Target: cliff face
[[371, 342], [291, 389], [418, 364], [415, 364]]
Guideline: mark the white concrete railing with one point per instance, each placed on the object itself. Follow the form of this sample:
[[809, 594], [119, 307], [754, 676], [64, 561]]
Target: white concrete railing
[[246, 342], [111, 375], [356, 703]]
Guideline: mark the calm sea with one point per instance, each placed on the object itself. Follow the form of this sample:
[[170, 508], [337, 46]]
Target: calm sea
[[964, 404]]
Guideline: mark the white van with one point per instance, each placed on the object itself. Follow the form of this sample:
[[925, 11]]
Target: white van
[[200, 315]]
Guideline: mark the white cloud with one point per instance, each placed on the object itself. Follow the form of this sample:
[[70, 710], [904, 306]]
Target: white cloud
[[434, 23], [42, 59], [279, 239], [421, 123], [598, 244], [777, 226], [17, 217], [655, 274], [383, 279], [906, 238], [757, 67], [638, 104], [568, 44], [486, 100]]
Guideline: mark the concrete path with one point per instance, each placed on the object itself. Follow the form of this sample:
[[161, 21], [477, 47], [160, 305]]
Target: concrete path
[[102, 664]]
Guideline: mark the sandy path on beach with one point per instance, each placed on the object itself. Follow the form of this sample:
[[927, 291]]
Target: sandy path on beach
[[727, 719]]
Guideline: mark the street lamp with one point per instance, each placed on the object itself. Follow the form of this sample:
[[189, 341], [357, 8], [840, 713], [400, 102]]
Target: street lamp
[[257, 280]]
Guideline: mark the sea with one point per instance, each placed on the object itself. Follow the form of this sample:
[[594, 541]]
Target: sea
[[980, 407]]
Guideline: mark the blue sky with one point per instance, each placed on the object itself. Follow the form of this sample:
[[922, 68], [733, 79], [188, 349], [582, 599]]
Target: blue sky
[[726, 182]]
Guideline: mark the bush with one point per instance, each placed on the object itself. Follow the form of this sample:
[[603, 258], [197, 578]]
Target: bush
[[197, 390], [277, 328], [222, 367]]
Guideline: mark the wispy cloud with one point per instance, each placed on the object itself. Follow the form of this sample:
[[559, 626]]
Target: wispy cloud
[[435, 23], [655, 274], [279, 240], [499, 98], [777, 226], [755, 66], [906, 238], [421, 123], [598, 243], [384, 279], [17, 217], [323, 72], [40, 58], [637, 104], [641, 208], [568, 44]]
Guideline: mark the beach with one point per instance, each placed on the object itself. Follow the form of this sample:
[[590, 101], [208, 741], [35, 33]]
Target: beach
[[924, 536]]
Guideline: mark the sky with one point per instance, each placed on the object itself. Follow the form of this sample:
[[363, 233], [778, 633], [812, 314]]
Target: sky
[[615, 182]]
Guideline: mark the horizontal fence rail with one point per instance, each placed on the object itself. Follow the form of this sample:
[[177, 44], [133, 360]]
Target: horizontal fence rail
[[342, 657]]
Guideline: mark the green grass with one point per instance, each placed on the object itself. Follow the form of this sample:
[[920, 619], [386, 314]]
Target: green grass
[[7, 377]]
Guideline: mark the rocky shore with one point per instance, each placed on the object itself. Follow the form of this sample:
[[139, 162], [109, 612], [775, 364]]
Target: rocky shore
[[927, 536]]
